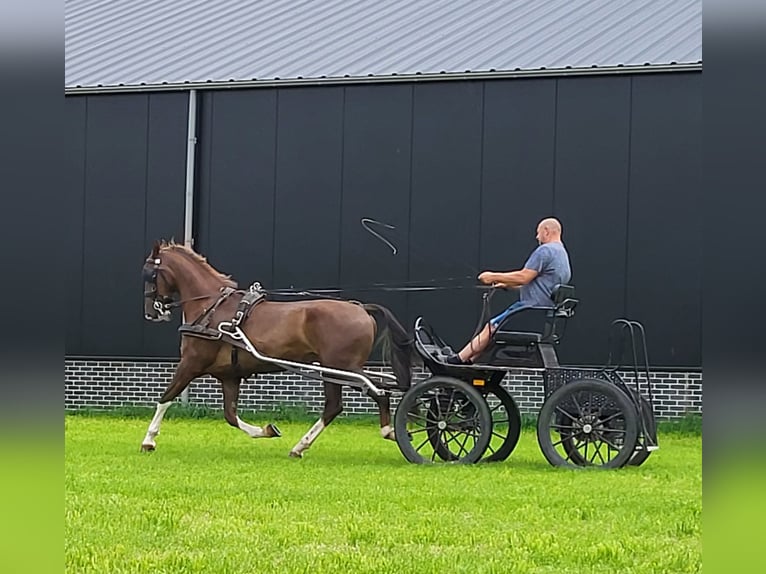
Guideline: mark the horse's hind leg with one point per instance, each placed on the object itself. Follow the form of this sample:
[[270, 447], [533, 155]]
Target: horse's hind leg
[[333, 406], [384, 406], [181, 379], [230, 398]]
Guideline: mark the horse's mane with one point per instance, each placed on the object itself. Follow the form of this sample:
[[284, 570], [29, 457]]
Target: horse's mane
[[190, 253]]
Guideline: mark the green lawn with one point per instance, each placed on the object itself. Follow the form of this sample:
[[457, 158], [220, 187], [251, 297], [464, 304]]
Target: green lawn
[[212, 500]]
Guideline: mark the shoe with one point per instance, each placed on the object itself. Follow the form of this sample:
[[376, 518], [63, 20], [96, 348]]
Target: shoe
[[455, 360]]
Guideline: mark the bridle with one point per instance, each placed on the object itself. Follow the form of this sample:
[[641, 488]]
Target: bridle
[[163, 304]]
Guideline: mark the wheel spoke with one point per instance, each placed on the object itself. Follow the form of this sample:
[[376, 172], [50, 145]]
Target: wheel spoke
[[463, 449], [558, 442], [451, 402], [612, 431], [598, 452], [446, 441], [422, 443], [462, 446], [610, 443], [558, 408], [606, 420], [576, 404], [421, 417]]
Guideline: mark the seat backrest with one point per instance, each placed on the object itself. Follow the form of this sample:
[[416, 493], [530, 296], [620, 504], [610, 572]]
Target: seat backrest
[[561, 293], [564, 307]]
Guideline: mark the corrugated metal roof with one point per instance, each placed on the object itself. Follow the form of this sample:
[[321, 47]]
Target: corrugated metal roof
[[132, 42]]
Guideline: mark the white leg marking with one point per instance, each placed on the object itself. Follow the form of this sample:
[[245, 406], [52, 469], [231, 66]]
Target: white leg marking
[[250, 430], [308, 439], [154, 426], [387, 432]]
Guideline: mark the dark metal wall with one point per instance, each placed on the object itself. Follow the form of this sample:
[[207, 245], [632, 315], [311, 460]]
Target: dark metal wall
[[464, 170], [125, 173]]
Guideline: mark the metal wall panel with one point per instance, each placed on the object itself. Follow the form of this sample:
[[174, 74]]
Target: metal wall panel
[[165, 200], [445, 204], [237, 168], [664, 288], [74, 176], [132, 152], [377, 152], [308, 187], [590, 200], [517, 174], [115, 202]]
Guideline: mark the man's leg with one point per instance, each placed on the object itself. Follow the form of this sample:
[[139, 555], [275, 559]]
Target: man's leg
[[477, 345]]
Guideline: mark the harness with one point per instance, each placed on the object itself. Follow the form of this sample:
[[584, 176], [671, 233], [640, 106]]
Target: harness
[[200, 326]]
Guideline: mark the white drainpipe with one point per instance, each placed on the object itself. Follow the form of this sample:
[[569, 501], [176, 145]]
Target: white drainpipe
[[191, 143]]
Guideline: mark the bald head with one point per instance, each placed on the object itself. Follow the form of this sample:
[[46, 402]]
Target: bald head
[[548, 230]]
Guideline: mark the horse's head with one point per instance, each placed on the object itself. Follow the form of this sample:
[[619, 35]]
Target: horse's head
[[159, 287]]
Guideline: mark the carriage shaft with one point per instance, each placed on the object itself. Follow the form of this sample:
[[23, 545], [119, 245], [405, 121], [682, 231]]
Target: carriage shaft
[[356, 379]]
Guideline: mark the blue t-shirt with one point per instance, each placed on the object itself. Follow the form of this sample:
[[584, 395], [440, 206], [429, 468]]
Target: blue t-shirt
[[551, 261]]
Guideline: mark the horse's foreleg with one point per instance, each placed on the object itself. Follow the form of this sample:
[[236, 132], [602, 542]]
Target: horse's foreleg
[[333, 406], [230, 399], [384, 407], [181, 379]]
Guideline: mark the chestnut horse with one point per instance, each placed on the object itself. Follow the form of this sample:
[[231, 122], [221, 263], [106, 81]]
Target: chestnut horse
[[336, 334]]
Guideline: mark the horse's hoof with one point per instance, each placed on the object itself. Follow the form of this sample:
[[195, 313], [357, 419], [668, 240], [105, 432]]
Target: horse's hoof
[[272, 431], [294, 454], [147, 448]]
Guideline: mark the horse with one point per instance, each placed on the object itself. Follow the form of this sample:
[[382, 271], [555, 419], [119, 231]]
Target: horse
[[333, 333]]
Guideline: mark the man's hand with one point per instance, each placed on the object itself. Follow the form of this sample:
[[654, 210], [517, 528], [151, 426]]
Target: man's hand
[[491, 278], [487, 277], [512, 279]]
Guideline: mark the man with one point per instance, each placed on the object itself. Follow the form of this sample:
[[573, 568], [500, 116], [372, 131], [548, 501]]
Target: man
[[547, 266]]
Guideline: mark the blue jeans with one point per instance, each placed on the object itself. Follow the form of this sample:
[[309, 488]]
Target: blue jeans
[[495, 321]]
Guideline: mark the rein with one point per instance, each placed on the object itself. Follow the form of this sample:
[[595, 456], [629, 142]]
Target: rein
[[433, 285], [174, 304]]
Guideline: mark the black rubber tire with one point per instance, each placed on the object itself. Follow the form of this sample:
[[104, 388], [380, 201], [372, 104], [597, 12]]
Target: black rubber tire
[[511, 416], [640, 455], [443, 400], [580, 397]]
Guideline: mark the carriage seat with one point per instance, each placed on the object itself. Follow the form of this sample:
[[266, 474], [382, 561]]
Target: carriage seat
[[517, 338], [546, 328]]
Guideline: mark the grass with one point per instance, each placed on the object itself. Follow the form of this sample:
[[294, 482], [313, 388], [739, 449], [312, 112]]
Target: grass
[[212, 500]]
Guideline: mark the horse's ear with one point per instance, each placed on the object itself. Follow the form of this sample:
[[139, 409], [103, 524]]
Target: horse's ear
[[155, 249]]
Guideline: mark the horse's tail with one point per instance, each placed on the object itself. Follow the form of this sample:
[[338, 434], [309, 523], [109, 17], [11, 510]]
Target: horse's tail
[[400, 345]]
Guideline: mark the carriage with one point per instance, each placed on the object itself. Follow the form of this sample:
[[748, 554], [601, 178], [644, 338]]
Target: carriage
[[589, 417], [594, 417]]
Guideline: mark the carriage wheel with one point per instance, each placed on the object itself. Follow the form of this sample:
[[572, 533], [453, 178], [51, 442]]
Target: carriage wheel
[[506, 424], [588, 422], [442, 420], [641, 454]]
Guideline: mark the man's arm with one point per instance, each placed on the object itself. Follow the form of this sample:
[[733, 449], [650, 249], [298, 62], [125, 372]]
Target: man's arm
[[509, 279]]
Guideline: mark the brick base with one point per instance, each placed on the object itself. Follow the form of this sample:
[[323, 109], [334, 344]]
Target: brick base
[[102, 384]]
